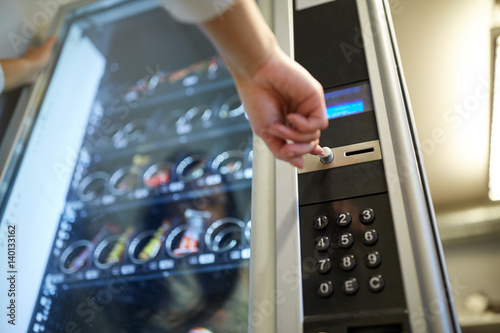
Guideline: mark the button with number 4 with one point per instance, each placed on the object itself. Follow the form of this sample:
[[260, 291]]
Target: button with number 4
[[322, 243], [367, 216]]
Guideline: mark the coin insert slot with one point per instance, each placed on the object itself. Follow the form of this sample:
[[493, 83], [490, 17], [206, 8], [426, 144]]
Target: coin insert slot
[[359, 152]]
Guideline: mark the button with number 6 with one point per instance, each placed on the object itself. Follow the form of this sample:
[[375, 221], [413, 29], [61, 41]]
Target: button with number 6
[[370, 237]]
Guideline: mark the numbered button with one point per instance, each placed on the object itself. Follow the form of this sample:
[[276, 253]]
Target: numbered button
[[367, 216], [346, 240], [322, 243], [347, 262], [325, 288], [373, 259], [350, 286], [320, 222], [376, 283], [344, 219], [324, 265], [370, 237]]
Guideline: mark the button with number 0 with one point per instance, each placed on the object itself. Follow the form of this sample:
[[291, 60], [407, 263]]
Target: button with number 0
[[325, 288], [367, 216], [320, 222]]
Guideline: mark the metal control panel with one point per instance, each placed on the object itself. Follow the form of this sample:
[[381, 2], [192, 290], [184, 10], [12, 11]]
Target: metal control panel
[[369, 254]]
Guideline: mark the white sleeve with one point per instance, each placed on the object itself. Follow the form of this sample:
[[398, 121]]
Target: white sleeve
[[196, 11], [2, 79]]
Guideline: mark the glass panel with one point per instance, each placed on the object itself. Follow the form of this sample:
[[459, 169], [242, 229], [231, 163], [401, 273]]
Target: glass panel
[[132, 200]]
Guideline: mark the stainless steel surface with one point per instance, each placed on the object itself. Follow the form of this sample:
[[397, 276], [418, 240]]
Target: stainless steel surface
[[421, 260], [289, 311]]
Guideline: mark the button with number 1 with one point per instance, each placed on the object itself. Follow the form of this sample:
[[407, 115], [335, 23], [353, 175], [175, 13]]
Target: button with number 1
[[320, 222]]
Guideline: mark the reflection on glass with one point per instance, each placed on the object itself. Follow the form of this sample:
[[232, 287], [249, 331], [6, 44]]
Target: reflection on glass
[[153, 210]]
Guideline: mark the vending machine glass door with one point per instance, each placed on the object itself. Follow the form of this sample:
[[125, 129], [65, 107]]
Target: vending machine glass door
[[126, 205]]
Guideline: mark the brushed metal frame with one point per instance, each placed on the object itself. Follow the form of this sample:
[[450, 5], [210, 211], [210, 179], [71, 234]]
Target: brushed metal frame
[[430, 305], [289, 303]]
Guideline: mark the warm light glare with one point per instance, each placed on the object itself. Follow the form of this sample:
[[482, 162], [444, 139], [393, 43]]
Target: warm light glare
[[495, 130]]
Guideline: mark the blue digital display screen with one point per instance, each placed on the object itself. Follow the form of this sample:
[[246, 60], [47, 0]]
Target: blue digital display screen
[[344, 109], [349, 100]]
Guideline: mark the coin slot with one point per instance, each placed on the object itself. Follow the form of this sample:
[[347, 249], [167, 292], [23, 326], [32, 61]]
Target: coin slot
[[359, 152]]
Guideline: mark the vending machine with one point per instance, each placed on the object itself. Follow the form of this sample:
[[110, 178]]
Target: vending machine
[[126, 191], [134, 197], [356, 241]]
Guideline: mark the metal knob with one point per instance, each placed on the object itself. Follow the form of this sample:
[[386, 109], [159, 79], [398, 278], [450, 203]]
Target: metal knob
[[326, 156]]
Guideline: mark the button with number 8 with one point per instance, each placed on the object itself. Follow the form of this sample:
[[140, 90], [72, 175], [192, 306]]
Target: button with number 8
[[347, 262]]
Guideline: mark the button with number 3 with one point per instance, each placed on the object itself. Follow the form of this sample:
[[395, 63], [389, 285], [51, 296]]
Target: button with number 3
[[367, 216]]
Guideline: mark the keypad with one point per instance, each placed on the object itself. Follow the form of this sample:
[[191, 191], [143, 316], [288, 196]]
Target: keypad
[[339, 247]]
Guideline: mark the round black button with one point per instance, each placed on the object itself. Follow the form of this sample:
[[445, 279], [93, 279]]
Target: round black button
[[344, 219], [350, 286], [320, 222], [325, 288], [345, 240], [347, 262], [367, 215], [373, 259], [324, 265], [376, 283], [322, 243], [370, 237]]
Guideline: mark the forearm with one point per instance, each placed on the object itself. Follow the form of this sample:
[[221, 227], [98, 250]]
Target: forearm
[[242, 37]]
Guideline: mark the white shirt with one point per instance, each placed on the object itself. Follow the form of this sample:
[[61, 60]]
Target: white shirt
[[188, 11], [196, 11], [2, 79]]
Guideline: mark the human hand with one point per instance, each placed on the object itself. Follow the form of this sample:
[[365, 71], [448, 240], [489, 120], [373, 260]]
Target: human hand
[[37, 58], [285, 106], [24, 70]]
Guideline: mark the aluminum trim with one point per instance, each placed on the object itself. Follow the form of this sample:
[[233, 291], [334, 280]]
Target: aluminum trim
[[419, 262], [289, 303]]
